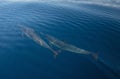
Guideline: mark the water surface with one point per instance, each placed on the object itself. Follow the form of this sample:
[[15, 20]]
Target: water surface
[[94, 28]]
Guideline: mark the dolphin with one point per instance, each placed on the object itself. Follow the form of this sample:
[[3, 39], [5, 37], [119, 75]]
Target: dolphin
[[67, 47], [29, 32]]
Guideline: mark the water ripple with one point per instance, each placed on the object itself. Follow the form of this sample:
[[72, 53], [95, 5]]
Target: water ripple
[[89, 28]]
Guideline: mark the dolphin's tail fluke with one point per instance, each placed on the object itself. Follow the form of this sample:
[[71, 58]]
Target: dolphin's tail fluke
[[54, 52], [95, 56]]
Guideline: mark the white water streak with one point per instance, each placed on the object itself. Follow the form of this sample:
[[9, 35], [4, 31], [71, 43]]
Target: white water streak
[[110, 3]]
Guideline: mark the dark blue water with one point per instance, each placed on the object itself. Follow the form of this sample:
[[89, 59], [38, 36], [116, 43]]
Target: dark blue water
[[90, 27]]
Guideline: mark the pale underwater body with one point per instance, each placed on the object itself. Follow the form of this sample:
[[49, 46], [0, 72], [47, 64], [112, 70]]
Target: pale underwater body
[[68, 47], [29, 32]]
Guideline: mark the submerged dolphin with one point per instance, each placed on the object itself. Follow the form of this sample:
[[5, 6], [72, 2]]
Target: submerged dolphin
[[29, 32], [64, 46]]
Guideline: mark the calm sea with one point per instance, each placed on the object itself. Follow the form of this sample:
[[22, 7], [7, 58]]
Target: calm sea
[[93, 28]]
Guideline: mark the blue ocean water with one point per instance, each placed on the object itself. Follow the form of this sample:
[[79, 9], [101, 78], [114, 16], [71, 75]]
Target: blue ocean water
[[94, 28]]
